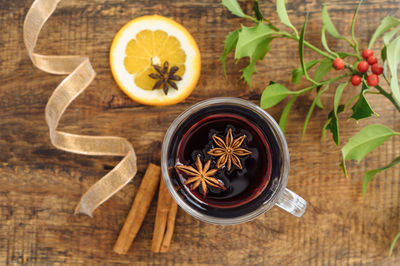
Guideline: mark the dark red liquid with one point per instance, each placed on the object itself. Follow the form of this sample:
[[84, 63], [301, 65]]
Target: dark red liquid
[[242, 185], [247, 188]]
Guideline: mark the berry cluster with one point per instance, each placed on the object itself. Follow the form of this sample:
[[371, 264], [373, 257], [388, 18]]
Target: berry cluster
[[363, 66]]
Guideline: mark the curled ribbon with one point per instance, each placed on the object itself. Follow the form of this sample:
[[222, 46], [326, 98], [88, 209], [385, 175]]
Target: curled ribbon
[[80, 75]]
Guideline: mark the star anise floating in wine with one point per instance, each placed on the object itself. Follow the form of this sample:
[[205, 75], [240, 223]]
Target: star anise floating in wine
[[166, 77], [203, 176], [229, 150]]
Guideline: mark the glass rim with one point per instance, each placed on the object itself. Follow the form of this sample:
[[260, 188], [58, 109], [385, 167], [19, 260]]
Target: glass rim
[[278, 135]]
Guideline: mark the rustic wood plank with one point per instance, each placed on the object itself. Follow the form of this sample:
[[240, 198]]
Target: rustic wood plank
[[40, 185]]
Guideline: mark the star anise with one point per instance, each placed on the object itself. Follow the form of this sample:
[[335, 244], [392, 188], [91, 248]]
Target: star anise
[[166, 77], [228, 150], [201, 175]]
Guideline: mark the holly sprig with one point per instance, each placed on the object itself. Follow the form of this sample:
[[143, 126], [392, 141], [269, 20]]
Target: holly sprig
[[352, 68]]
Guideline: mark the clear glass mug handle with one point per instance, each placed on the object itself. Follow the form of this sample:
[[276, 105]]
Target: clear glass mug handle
[[292, 203]]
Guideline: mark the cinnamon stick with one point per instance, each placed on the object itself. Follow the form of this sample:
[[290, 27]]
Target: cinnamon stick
[[165, 220], [170, 227], [139, 209]]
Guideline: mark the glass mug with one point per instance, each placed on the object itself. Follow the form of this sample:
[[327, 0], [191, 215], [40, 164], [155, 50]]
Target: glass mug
[[255, 187]]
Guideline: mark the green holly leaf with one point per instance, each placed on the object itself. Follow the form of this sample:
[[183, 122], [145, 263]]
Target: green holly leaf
[[323, 68], [393, 58], [327, 22], [362, 109], [248, 71], [368, 176], [283, 16], [285, 114], [386, 24], [273, 94], [338, 96], [301, 51], [326, 126], [366, 140], [384, 54], [253, 42], [325, 43], [353, 23], [333, 124], [311, 110], [301, 47], [393, 244], [234, 7], [389, 35], [298, 72], [250, 38], [319, 104], [230, 44], [258, 54]]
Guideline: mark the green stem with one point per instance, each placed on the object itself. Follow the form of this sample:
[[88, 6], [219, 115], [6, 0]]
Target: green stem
[[312, 47], [355, 55], [348, 41], [389, 97], [272, 25], [326, 82], [309, 45], [254, 20], [335, 78], [300, 92]]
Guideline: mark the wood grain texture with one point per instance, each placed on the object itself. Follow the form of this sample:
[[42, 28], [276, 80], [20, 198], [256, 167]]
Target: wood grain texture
[[40, 186]]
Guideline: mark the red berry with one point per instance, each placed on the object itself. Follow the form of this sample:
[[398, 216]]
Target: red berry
[[338, 63], [367, 53], [356, 80], [363, 66], [372, 60], [373, 80], [377, 69]]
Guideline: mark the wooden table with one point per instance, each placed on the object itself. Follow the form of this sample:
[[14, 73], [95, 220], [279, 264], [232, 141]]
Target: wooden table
[[40, 185]]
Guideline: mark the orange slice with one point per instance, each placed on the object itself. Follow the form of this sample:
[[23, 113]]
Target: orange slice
[[146, 43]]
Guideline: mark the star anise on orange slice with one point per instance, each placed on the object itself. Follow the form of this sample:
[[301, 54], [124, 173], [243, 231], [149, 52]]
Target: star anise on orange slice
[[203, 176], [166, 77], [229, 150]]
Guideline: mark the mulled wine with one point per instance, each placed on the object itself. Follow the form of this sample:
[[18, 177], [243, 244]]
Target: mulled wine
[[224, 161]]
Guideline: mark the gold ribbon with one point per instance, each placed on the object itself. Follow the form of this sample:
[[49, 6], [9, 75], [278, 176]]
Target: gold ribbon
[[80, 76]]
